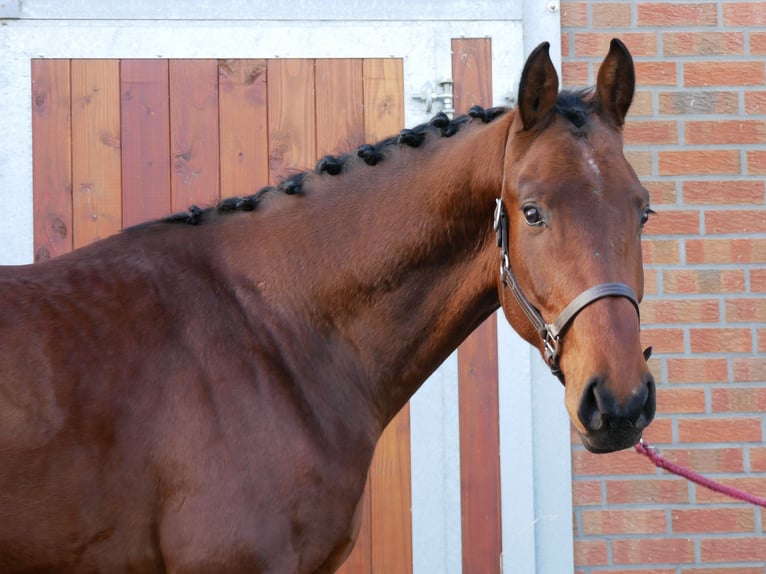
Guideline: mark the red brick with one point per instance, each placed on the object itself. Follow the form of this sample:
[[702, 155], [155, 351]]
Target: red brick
[[586, 492], [574, 14], [660, 431], [715, 73], [736, 221], [656, 73], [749, 369], [755, 101], [723, 570], [707, 460], [756, 162], [585, 463], [725, 132], [647, 491], [761, 334], [698, 370], [660, 251], [667, 14], [594, 44], [633, 521], [754, 486], [590, 552], [575, 74], [663, 340], [675, 400], [758, 43], [758, 463], [725, 192], [653, 551], [642, 105], [709, 520], [722, 340], [745, 310], [643, 570], [729, 549], [726, 251], [612, 15], [674, 222], [661, 192], [692, 281], [699, 162], [758, 280], [650, 281], [699, 102], [744, 14], [664, 311], [739, 400], [709, 430], [641, 161], [642, 132], [701, 43]]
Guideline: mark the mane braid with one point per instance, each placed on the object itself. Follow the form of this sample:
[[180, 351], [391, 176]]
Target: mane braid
[[372, 154]]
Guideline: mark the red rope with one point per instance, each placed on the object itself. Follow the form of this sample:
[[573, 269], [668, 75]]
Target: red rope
[[644, 448]]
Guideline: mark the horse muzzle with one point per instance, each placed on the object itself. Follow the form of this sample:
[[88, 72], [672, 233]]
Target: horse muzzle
[[612, 425]]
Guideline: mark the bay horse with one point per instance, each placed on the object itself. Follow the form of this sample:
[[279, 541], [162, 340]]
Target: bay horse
[[203, 393]]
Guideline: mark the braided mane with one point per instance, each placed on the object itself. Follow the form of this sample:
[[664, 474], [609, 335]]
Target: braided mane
[[372, 154]]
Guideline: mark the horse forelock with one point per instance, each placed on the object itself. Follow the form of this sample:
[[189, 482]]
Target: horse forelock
[[440, 126], [576, 107]]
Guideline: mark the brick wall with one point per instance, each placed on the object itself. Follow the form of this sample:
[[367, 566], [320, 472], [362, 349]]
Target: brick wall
[[696, 135]]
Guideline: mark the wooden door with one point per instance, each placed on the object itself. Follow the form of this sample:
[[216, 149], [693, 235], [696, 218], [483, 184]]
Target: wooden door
[[117, 142]]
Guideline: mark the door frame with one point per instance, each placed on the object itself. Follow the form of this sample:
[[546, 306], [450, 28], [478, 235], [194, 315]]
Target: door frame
[[536, 510]]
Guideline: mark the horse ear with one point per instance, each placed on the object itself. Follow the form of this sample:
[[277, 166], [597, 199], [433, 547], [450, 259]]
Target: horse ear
[[538, 88], [616, 82]]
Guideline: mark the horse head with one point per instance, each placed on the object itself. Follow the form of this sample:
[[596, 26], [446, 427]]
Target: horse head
[[569, 224]]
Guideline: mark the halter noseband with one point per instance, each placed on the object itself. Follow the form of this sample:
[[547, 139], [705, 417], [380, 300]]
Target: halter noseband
[[551, 333]]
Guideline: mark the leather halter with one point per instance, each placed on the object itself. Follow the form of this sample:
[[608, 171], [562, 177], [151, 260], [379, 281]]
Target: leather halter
[[551, 333]]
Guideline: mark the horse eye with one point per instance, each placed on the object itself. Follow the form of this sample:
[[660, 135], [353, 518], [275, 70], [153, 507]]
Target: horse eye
[[645, 216], [532, 215]]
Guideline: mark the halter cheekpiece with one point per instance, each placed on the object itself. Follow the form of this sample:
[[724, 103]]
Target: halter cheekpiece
[[551, 333]]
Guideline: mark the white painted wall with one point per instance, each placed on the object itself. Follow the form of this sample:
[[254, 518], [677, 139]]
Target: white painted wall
[[535, 454]]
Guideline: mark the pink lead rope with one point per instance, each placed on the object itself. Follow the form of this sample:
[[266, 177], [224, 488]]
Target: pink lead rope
[[644, 448]]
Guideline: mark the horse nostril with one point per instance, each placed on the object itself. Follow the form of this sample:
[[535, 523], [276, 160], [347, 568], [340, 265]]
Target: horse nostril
[[589, 411], [598, 407]]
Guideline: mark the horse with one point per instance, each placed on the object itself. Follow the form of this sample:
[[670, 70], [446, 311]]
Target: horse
[[204, 392]]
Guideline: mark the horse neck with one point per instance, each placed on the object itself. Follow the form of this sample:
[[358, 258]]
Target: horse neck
[[393, 264]]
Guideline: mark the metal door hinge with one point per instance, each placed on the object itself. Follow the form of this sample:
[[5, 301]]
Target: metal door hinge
[[438, 100]]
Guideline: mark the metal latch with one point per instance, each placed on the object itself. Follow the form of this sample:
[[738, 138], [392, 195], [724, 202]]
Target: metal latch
[[436, 101]]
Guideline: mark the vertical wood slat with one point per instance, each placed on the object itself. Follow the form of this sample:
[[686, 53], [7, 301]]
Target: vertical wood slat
[[292, 117], [390, 475], [339, 125], [96, 167], [51, 156], [243, 113], [145, 120], [339, 105], [194, 133], [477, 368]]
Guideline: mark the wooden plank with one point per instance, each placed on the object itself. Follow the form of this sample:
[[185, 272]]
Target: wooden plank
[[243, 117], [339, 105], [51, 156], [390, 475], [292, 123], [477, 369], [383, 97], [145, 118], [96, 169], [194, 133], [340, 128], [472, 72]]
